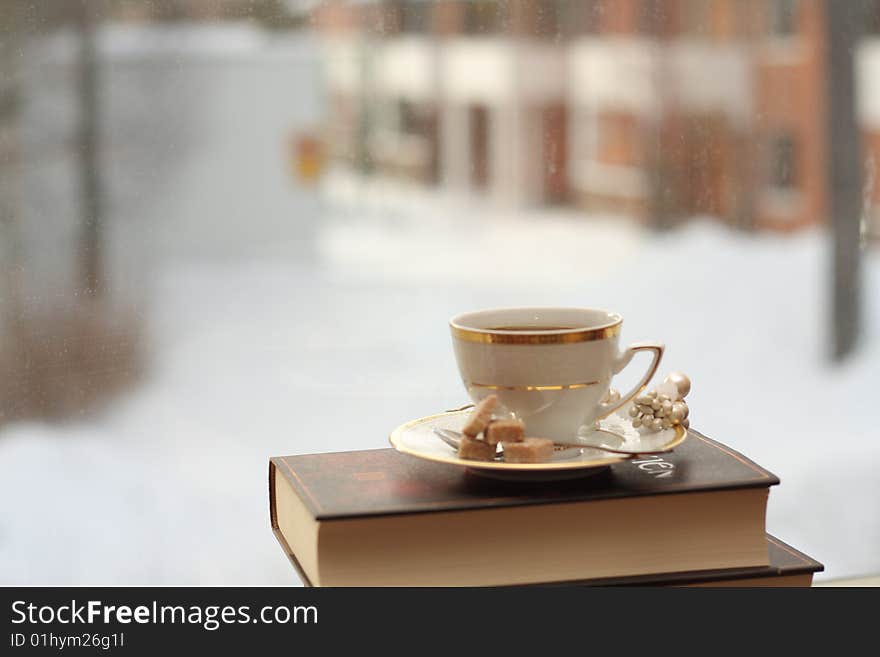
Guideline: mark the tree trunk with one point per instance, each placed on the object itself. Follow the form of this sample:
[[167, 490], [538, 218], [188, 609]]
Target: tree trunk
[[843, 22], [11, 41], [91, 219]]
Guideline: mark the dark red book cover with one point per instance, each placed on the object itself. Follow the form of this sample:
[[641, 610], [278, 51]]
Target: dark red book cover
[[383, 481]]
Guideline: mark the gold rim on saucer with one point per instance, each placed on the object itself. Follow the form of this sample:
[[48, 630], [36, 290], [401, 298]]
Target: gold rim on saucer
[[446, 421]]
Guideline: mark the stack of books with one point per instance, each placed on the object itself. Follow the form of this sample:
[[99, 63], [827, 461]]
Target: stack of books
[[695, 516]]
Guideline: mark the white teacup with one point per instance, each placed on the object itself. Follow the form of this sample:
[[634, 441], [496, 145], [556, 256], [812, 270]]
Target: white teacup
[[550, 367]]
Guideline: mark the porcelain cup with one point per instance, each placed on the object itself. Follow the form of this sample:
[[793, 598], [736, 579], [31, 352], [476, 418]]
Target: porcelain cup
[[550, 367]]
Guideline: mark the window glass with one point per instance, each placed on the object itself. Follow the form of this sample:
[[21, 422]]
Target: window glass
[[580, 16], [783, 17], [235, 229], [416, 16], [483, 16], [783, 162]]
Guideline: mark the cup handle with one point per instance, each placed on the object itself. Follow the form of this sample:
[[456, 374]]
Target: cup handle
[[623, 360]]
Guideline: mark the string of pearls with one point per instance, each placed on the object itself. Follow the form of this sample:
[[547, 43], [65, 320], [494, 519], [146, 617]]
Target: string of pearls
[[663, 407]]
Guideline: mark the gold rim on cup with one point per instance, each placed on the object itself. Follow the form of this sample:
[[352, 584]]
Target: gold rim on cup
[[487, 336]]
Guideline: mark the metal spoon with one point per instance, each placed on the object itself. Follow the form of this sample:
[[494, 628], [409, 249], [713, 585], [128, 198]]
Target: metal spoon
[[453, 438]]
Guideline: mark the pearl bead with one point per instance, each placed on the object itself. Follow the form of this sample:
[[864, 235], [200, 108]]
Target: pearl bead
[[681, 381], [657, 424], [667, 389], [633, 411], [679, 411]]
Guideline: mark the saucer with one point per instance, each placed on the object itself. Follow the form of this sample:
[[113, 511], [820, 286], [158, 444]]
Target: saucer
[[417, 438]]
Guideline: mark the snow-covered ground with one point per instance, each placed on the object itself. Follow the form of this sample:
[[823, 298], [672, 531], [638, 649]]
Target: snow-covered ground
[[267, 356], [281, 324]]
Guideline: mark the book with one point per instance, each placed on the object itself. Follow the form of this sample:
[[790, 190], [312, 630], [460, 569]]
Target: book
[[382, 518], [788, 567]]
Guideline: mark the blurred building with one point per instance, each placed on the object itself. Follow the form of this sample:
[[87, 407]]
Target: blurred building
[[661, 109]]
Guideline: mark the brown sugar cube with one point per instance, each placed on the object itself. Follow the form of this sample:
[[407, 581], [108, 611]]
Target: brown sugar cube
[[476, 450], [529, 450], [504, 431], [480, 417]]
